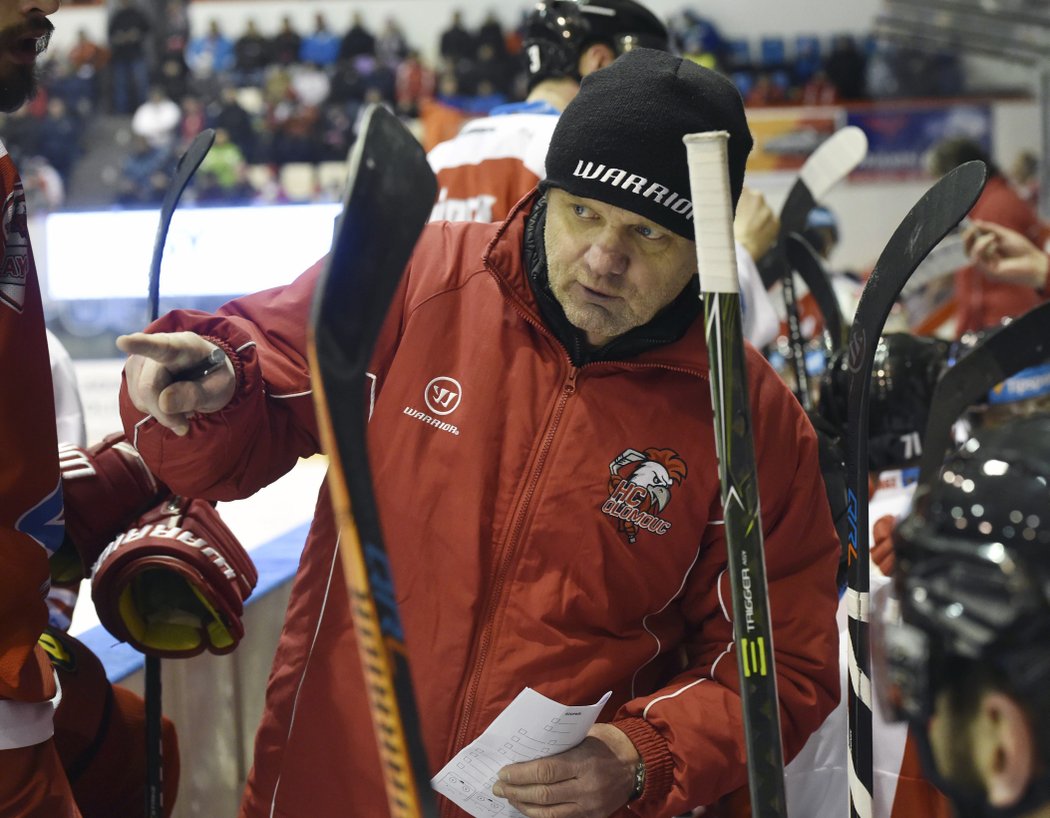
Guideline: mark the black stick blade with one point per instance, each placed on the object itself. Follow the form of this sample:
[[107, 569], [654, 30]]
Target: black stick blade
[[184, 170], [939, 210], [390, 194], [389, 197], [1022, 343]]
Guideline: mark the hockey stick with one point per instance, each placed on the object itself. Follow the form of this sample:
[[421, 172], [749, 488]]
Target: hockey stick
[[753, 634], [804, 260], [184, 170], [936, 213], [388, 201], [829, 164], [1022, 343]]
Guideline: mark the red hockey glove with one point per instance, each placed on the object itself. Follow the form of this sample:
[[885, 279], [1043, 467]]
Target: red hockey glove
[[882, 550], [105, 488], [175, 583]]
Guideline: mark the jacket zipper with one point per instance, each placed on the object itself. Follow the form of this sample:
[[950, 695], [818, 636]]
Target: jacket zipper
[[568, 389]]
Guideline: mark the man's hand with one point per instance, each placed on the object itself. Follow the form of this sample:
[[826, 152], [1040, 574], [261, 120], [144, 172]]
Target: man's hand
[[755, 225], [592, 780], [153, 361], [1006, 255]]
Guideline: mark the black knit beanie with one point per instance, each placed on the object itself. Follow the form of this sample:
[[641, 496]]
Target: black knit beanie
[[620, 140]]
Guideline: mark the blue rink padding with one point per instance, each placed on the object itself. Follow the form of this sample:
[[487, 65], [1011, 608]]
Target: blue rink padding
[[276, 561]]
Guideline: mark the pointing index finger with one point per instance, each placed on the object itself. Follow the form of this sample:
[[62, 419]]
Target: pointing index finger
[[173, 350]]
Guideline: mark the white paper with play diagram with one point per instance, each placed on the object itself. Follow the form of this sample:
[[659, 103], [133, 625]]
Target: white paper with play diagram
[[531, 727]]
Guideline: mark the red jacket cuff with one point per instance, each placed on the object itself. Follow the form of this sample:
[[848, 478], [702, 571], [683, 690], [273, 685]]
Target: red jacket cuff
[[659, 763]]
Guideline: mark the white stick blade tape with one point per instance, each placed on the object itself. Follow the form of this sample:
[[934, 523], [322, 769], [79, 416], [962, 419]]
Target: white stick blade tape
[[833, 160], [712, 211]]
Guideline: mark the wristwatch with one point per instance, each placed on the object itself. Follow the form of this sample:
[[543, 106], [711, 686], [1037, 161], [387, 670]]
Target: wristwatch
[[639, 780]]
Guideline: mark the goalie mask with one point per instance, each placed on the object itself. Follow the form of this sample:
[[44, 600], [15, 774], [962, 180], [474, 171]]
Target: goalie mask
[[905, 372], [973, 584], [557, 32]]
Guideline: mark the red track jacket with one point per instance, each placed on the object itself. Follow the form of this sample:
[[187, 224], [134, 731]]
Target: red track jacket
[[549, 526]]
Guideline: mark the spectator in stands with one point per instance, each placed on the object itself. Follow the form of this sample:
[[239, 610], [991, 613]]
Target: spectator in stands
[[383, 80], [491, 69], [322, 46], [415, 82], [87, 55], [456, 42], [59, 138], [310, 84], [222, 175], [144, 176], [228, 114], [846, 68], [391, 45], [286, 43], [980, 300], [819, 90], [337, 126], [194, 120], [347, 84], [77, 81], [491, 34], [765, 91], [157, 119], [210, 55], [252, 55], [128, 32], [357, 41], [172, 73]]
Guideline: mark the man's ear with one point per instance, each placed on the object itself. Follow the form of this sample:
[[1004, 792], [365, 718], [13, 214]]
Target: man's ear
[[596, 56], [1004, 748]]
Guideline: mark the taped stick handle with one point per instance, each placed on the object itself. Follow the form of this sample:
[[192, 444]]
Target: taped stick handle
[[715, 246]]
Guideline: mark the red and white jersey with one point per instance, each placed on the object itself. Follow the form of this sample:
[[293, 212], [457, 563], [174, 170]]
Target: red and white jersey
[[816, 780], [492, 162], [31, 527]]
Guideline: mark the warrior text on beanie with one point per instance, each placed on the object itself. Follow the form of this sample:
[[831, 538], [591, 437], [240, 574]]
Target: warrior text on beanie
[[620, 140]]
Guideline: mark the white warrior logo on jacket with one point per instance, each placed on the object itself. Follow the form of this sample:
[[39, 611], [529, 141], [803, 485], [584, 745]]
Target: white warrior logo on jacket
[[640, 488]]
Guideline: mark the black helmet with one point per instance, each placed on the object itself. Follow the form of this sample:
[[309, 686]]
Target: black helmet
[[904, 375], [557, 32], [973, 580], [1024, 393]]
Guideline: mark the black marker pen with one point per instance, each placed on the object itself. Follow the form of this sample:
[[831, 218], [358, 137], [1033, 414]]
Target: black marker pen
[[204, 367]]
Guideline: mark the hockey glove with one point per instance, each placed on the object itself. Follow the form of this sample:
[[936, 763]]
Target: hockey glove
[[106, 488], [175, 583]]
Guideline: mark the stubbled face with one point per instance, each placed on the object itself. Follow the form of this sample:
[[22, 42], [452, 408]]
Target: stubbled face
[[610, 269], [24, 35]]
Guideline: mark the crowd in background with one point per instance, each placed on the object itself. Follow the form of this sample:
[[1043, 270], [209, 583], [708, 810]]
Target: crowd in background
[[292, 96]]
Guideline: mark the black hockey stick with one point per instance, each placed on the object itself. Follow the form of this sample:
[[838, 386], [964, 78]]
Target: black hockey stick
[[752, 632], [936, 213], [829, 164], [389, 197], [803, 259], [184, 170], [1022, 343]]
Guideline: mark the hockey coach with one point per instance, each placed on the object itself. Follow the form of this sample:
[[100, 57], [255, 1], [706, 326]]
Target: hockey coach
[[543, 455]]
